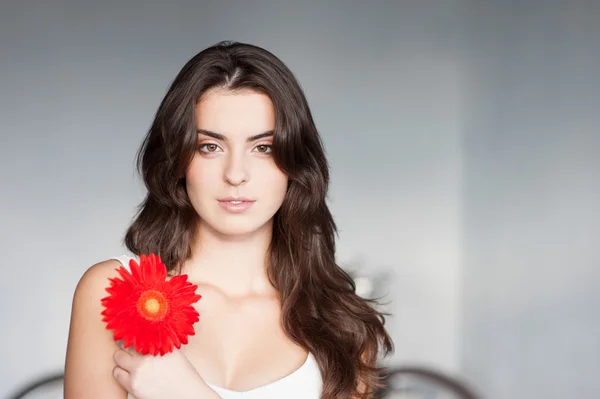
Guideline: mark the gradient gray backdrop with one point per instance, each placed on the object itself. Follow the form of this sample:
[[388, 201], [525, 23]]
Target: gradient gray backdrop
[[463, 138]]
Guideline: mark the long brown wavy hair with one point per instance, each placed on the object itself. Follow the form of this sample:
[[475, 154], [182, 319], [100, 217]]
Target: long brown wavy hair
[[320, 308]]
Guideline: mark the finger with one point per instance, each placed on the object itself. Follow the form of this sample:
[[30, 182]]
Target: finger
[[123, 378], [130, 349], [124, 360]]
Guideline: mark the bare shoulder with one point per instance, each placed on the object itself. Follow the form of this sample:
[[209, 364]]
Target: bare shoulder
[[89, 360], [91, 288], [95, 278]]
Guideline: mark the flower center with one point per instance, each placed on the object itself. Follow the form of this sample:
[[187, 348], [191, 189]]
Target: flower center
[[152, 305]]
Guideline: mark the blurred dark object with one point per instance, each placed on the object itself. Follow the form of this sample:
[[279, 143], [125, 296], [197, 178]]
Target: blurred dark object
[[422, 383], [49, 387], [399, 383]]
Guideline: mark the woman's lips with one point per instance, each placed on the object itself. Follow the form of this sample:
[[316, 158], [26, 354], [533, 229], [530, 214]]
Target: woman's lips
[[236, 205]]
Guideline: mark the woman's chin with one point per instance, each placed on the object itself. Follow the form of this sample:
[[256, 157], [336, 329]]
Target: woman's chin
[[240, 229]]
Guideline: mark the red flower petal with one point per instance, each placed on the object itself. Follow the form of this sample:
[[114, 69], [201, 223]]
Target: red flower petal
[[147, 311]]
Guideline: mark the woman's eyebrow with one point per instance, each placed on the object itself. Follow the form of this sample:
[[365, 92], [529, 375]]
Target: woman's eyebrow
[[219, 136]]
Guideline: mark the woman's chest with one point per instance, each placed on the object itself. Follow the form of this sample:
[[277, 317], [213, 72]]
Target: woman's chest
[[241, 346]]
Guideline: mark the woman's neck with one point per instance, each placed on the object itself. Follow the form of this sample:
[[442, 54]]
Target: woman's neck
[[235, 264]]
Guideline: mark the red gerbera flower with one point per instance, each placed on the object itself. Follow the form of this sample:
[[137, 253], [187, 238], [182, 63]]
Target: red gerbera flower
[[148, 311]]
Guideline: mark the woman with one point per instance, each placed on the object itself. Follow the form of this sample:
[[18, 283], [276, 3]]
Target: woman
[[237, 182]]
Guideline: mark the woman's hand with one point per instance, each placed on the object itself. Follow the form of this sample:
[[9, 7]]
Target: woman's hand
[[159, 377]]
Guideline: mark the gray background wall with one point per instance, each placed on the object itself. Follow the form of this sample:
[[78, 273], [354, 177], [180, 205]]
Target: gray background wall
[[462, 137], [532, 199]]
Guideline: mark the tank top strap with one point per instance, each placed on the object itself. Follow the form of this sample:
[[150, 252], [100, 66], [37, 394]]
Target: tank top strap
[[123, 260]]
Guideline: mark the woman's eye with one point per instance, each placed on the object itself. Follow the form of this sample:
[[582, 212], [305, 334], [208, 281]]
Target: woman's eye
[[264, 148], [209, 148]]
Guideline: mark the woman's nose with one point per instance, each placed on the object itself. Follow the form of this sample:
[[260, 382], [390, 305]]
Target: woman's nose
[[236, 172]]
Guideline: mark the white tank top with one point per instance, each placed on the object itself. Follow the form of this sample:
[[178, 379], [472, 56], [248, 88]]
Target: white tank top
[[304, 383]]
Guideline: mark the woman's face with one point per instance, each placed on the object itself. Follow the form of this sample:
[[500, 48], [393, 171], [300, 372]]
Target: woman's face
[[233, 182]]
